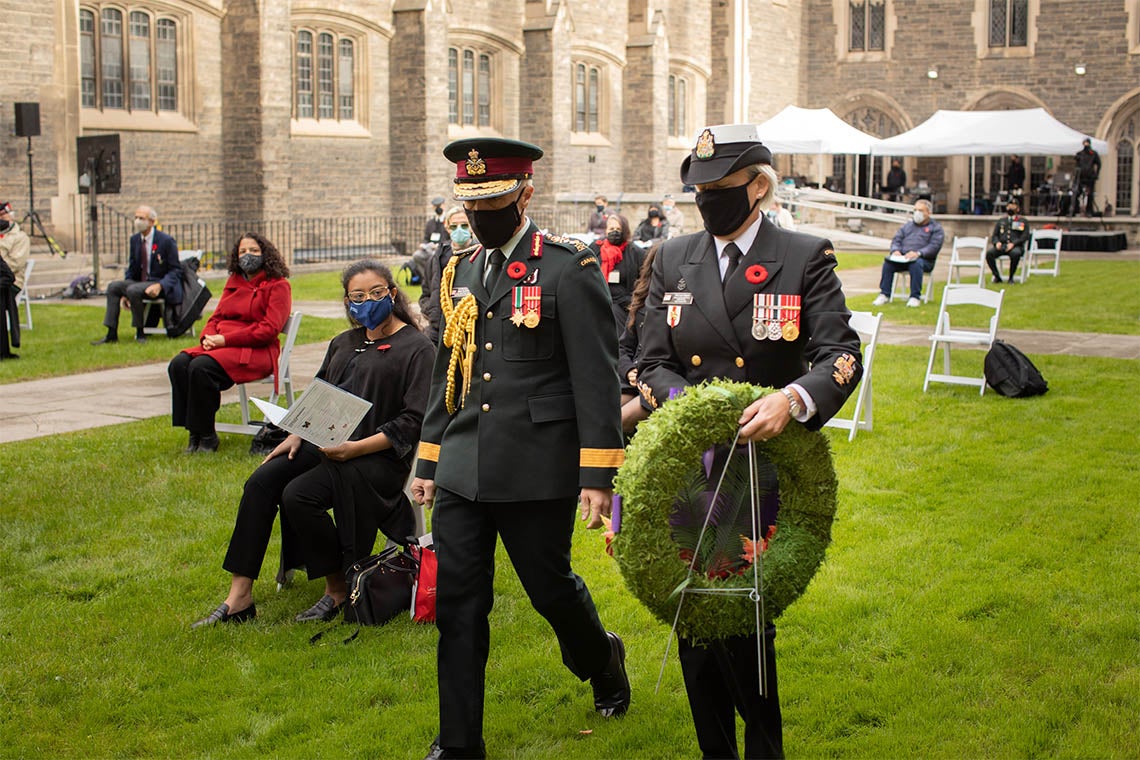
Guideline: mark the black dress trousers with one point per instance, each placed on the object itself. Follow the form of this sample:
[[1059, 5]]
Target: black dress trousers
[[721, 679], [537, 537], [196, 385]]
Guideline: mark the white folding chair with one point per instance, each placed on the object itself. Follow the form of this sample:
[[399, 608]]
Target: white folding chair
[[967, 253], [901, 287], [946, 335], [867, 325], [22, 296], [1037, 252], [284, 382]]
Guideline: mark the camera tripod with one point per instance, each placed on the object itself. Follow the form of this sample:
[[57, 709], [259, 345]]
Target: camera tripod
[[35, 224], [1082, 194]]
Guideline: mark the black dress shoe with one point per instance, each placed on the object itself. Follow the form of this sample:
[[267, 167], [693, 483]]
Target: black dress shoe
[[222, 615], [324, 610], [195, 440], [439, 753], [207, 443], [611, 686], [105, 339], [140, 339]]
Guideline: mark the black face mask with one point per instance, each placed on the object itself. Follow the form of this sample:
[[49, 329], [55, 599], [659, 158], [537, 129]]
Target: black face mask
[[249, 263], [494, 228], [654, 213], [614, 236], [4, 225], [1011, 210], [723, 211], [599, 207]]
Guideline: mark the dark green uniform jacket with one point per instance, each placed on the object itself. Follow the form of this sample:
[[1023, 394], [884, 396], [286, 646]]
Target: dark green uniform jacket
[[542, 419]]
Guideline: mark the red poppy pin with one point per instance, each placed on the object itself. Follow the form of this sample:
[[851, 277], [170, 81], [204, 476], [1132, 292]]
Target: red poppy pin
[[516, 270], [756, 274], [383, 346], [153, 247]]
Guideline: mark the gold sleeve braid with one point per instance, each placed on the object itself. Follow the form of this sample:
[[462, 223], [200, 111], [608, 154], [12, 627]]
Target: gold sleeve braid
[[460, 331]]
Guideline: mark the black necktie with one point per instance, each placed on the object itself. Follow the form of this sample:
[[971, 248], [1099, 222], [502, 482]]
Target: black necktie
[[494, 270], [734, 255], [144, 260]]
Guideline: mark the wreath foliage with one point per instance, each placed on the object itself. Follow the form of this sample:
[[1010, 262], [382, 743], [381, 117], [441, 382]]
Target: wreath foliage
[[659, 461]]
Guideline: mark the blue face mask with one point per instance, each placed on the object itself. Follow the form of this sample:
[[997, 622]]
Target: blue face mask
[[460, 237], [371, 313]]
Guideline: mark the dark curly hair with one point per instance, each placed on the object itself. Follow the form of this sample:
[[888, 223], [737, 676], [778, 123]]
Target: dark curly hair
[[400, 305], [271, 260]]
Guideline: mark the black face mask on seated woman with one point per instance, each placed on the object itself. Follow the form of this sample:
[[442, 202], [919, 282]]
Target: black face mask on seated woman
[[615, 237], [495, 227]]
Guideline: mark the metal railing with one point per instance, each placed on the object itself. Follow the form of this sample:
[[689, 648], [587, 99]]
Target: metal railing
[[302, 240]]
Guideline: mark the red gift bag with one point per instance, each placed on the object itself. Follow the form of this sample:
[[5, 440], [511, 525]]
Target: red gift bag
[[423, 590]]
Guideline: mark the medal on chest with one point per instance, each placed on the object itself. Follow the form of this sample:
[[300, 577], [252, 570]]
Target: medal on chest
[[526, 306], [775, 316]]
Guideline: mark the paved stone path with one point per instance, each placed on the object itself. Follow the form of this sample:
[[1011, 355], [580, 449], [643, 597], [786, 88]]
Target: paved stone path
[[58, 405]]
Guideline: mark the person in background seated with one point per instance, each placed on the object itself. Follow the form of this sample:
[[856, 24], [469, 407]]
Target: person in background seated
[[1009, 237], [673, 215], [597, 222], [781, 216], [153, 271], [653, 227], [620, 263], [914, 249], [239, 343], [384, 359], [14, 247], [896, 182]]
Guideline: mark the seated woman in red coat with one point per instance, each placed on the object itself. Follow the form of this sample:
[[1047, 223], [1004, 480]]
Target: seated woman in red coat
[[384, 359], [239, 343]]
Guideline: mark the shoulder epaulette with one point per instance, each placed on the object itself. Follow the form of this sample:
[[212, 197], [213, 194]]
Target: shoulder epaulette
[[574, 243]]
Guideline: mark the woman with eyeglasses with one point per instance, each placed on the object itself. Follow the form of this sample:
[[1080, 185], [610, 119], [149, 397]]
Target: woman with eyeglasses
[[459, 238], [382, 358], [239, 343]]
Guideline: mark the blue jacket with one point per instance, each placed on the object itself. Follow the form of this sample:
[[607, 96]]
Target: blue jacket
[[163, 266], [927, 239]]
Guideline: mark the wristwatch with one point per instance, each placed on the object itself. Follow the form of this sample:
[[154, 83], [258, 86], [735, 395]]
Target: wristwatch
[[794, 406]]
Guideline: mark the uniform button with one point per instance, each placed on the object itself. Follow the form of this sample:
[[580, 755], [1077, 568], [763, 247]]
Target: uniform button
[[488, 345], [740, 361], [696, 360], [487, 377], [486, 407], [490, 315]]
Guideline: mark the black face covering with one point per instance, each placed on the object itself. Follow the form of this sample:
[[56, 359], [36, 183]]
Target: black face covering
[[614, 236], [723, 211], [494, 228], [4, 225]]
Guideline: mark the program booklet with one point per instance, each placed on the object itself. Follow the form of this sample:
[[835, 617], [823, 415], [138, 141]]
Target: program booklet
[[324, 415]]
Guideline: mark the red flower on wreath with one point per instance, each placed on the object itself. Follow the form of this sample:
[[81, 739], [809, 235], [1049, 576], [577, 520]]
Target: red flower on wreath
[[756, 274], [516, 270]]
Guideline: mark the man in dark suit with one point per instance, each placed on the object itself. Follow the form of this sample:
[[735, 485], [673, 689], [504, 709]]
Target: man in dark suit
[[523, 421], [153, 271], [747, 301]]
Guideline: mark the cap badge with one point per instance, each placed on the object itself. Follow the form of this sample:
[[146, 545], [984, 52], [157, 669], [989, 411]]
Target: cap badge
[[706, 146], [475, 165]]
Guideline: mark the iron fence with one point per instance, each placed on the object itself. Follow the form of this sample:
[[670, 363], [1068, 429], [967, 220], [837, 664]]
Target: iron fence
[[301, 240]]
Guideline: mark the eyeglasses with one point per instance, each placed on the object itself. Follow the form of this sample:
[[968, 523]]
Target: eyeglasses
[[462, 225], [377, 293]]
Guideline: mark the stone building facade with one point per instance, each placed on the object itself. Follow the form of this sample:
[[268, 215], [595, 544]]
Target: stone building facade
[[247, 109]]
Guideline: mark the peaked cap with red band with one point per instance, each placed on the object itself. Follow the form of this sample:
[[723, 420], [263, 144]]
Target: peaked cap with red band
[[487, 167]]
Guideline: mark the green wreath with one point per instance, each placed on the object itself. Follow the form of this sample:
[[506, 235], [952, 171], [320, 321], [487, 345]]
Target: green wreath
[[659, 465]]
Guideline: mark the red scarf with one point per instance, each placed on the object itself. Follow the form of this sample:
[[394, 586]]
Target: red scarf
[[611, 256]]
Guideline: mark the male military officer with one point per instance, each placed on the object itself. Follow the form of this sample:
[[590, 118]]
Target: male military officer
[[1010, 235], [748, 301], [523, 414]]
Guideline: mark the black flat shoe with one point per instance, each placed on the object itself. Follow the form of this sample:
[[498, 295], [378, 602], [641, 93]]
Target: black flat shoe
[[104, 339], [208, 444], [436, 752], [222, 615], [611, 686], [140, 339], [195, 440], [324, 610]]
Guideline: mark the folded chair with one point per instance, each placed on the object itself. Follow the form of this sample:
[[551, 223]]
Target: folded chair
[[945, 335], [283, 377], [867, 325], [968, 253]]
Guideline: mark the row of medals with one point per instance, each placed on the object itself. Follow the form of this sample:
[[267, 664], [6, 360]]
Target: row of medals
[[773, 329], [531, 319]]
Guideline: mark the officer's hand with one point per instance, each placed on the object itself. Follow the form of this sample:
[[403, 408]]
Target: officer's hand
[[765, 418], [423, 491], [153, 290], [124, 303], [595, 503]]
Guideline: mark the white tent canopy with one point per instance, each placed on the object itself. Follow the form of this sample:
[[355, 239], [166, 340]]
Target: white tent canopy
[[813, 131], [1030, 131]]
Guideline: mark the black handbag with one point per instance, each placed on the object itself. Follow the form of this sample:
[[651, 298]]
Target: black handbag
[[380, 587], [267, 439]]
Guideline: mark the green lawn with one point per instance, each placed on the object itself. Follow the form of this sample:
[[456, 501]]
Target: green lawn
[[980, 599]]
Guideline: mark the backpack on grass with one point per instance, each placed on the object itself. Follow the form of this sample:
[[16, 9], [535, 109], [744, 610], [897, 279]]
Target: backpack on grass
[[1010, 373]]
